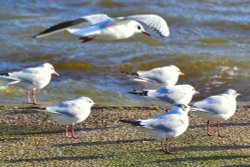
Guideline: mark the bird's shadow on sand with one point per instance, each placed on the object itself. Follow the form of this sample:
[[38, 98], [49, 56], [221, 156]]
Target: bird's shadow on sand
[[203, 148], [222, 124], [10, 139], [72, 158], [204, 158], [20, 130], [174, 158], [103, 142]]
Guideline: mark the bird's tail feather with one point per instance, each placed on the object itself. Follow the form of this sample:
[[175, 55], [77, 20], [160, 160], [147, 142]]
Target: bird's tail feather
[[4, 74], [38, 108], [139, 92], [197, 109], [135, 123], [131, 74]]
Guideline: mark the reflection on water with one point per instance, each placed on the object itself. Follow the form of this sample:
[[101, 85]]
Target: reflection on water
[[209, 41]]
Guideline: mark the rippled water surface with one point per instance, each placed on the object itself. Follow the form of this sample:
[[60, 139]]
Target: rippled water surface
[[209, 41]]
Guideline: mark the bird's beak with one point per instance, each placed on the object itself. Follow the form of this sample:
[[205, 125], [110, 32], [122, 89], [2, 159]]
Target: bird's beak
[[57, 74], [181, 73], [95, 105], [196, 92], [238, 94], [146, 33]]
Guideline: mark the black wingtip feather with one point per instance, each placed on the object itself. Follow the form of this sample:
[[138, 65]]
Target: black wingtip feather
[[139, 92], [4, 74], [60, 26], [130, 73], [135, 123], [38, 108]]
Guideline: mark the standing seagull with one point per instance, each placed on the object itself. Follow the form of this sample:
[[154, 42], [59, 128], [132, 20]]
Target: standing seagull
[[169, 95], [217, 108], [166, 125], [156, 77], [69, 113], [31, 79], [104, 27]]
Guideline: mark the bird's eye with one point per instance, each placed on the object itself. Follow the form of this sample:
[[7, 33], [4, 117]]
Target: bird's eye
[[52, 68], [139, 27]]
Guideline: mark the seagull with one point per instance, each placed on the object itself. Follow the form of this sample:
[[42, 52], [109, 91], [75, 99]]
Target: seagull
[[217, 108], [170, 95], [69, 113], [103, 27], [157, 77], [31, 79], [166, 125]]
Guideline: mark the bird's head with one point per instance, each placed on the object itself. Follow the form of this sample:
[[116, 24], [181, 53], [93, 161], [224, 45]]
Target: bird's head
[[138, 28], [232, 92], [184, 108], [190, 89], [49, 67], [89, 102], [176, 69]]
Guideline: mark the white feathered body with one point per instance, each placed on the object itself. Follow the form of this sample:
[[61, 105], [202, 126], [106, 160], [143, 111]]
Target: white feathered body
[[167, 125], [163, 76], [30, 78], [216, 108], [70, 112]]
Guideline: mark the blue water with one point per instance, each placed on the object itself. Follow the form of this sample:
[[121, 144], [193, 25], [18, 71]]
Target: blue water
[[209, 40]]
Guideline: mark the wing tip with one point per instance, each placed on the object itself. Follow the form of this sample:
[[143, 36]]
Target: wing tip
[[135, 123]]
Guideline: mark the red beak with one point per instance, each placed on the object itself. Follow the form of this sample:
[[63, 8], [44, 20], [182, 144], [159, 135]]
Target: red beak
[[196, 92], [57, 74], [146, 33], [181, 73], [238, 94]]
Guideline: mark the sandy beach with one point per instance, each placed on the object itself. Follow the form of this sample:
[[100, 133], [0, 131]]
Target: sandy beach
[[30, 138]]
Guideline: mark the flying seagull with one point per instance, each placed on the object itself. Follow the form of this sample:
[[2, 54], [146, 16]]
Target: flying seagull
[[103, 27]]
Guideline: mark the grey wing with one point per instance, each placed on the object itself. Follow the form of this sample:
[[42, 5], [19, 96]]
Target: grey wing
[[96, 18], [68, 108], [162, 94], [153, 21], [176, 95], [154, 76], [166, 124], [29, 75], [213, 104], [92, 19]]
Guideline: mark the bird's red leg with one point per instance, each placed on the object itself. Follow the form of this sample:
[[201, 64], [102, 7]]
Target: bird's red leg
[[67, 131], [163, 145], [86, 39], [167, 109], [208, 128], [34, 96], [166, 148], [28, 96], [73, 132], [218, 129]]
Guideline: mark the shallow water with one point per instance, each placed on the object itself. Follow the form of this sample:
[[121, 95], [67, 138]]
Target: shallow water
[[209, 41]]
